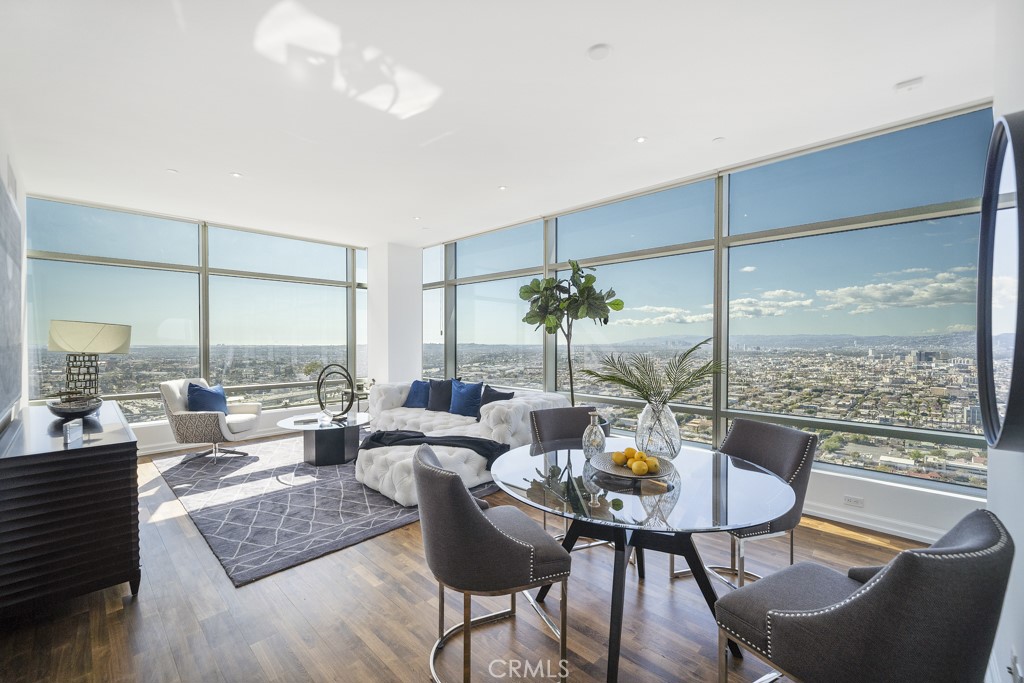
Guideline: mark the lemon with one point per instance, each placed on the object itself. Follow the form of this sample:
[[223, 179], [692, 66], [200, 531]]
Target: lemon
[[639, 467], [653, 466], [619, 458], [630, 461], [630, 452], [640, 455]]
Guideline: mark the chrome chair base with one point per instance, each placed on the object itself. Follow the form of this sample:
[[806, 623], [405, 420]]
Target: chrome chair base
[[723, 662], [215, 452], [445, 635], [737, 562]]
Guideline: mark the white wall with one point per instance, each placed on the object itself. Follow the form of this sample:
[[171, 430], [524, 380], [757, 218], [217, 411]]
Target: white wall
[[890, 506], [1006, 469], [394, 312]]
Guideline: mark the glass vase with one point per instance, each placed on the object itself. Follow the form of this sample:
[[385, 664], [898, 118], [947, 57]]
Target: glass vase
[[593, 437], [657, 432]]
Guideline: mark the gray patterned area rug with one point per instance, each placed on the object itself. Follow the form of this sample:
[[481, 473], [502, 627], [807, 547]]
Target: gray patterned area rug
[[267, 511]]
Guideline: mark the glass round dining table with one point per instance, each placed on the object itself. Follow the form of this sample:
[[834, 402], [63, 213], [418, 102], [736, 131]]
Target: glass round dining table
[[698, 491]]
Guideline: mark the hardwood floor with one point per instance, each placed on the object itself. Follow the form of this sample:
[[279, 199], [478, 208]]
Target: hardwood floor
[[369, 613]]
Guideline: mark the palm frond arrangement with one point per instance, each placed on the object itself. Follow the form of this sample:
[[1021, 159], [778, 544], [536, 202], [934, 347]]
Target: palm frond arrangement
[[643, 375]]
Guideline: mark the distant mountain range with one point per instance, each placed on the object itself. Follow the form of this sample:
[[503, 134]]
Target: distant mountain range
[[956, 343], [951, 341]]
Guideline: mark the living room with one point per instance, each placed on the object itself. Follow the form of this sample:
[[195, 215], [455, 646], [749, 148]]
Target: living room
[[261, 191]]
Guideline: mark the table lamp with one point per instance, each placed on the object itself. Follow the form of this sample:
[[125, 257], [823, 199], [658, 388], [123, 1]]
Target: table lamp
[[83, 342]]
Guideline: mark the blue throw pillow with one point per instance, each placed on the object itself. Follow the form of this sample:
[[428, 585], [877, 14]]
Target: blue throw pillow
[[440, 398], [203, 398], [466, 398], [419, 392]]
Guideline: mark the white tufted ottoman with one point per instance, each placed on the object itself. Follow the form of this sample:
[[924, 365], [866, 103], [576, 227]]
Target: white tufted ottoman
[[389, 469]]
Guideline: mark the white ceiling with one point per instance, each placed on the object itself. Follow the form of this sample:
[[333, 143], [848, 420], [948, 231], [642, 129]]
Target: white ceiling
[[349, 119]]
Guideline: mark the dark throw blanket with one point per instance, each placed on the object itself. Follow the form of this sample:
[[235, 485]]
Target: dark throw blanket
[[487, 448]]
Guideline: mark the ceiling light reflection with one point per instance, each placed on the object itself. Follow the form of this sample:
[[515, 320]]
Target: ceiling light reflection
[[289, 32]]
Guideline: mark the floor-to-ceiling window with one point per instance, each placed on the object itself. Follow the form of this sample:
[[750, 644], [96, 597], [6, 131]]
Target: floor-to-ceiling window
[[258, 313], [838, 286]]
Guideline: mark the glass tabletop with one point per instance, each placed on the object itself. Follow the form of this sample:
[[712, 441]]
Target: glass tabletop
[[311, 421], [708, 491]]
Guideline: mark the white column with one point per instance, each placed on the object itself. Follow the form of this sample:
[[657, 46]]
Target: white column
[[394, 314], [1006, 468]]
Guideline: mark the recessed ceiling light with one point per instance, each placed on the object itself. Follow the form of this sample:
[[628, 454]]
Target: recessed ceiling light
[[718, 139], [316, 60], [172, 171], [235, 174], [415, 218], [599, 51], [502, 188], [909, 84], [641, 140]]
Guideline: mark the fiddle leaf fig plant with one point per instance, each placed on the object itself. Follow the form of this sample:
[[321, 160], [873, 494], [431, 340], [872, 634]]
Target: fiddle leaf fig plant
[[556, 303]]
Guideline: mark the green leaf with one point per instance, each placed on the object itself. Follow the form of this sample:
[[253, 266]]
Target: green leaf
[[616, 304], [589, 280]]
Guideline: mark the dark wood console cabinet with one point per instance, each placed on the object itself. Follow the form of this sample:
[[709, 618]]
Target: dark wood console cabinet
[[69, 516]]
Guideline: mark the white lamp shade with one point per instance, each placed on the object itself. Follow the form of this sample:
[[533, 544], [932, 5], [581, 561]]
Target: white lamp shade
[[72, 336]]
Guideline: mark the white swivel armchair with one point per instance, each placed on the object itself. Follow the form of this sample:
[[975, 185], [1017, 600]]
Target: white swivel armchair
[[212, 427]]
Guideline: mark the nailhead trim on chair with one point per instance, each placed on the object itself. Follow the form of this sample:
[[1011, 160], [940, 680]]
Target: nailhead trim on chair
[[799, 467], [803, 460], [739, 637], [511, 538], [877, 577]]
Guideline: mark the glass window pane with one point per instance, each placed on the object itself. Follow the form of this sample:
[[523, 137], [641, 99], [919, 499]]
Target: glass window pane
[[362, 363], [872, 325], [259, 253], [501, 250], [907, 457], [669, 305], [433, 333], [938, 162], [361, 265], [692, 427], [161, 306], [263, 331], [682, 214], [74, 229], [492, 341], [433, 264]]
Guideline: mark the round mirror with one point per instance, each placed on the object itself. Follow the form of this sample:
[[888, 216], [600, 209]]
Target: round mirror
[[1000, 366]]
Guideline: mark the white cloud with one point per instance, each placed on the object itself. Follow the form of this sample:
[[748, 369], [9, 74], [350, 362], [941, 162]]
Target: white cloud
[[960, 327], [656, 309], [945, 289], [963, 269], [748, 269], [671, 315], [763, 308], [776, 294]]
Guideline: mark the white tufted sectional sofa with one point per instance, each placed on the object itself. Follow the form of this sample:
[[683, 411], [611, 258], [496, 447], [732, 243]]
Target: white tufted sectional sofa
[[389, 469]]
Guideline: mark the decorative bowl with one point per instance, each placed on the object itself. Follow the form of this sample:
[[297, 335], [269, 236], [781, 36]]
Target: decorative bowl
[[71, 410]]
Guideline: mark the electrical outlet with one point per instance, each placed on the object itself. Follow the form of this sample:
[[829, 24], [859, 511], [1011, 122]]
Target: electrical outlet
[[855, 501]]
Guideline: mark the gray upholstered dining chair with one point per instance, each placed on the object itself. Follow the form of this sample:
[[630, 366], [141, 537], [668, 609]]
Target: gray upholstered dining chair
[[928, 615], [562, 424], [784, 451], [565, 427], [477, 549], [212, 427]]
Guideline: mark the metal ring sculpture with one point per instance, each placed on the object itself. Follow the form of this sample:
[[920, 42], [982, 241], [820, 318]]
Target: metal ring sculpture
[[339, 373]]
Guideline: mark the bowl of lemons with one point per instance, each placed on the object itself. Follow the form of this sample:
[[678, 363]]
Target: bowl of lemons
[[631, 463]]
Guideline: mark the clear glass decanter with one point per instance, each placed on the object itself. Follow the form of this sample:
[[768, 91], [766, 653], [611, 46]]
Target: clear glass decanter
[[593, 437]]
